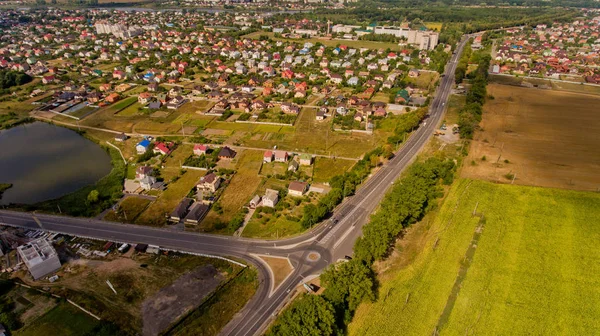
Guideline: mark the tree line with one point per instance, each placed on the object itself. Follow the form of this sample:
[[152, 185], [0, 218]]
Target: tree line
[[470, 115], [9, 78], [350, 283]]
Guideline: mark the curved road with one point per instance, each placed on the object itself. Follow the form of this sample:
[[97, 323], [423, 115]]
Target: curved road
[[326, 243]]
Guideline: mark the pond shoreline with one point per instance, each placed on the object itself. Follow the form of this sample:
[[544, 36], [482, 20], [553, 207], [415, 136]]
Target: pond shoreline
[[75, 203]]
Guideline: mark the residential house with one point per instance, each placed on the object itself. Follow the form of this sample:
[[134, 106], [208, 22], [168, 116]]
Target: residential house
[[161, 148], [281, 156], [200, 149], [121, 137], [147, 182], [142, 146], [320, 115], [118, 74], [111, 98], [271, 198], [210, 182], [196, 212], [268, 156], [143, 171], [254, 202], [293, 167], [48, 79], [175, 103], [305, 159], [297, 188], [144, 98], [181, 209], [226, 153], [289, 108]]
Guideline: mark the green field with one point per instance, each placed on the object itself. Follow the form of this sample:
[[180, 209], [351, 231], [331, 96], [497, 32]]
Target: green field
[[326, 168], [331, 43], [63, 319], [534, 269], [130, 110], [129, 209], [118, 106]]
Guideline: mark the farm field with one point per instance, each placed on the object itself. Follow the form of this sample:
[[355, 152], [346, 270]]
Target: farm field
[[540, 137], [562, 86], [533, 269]]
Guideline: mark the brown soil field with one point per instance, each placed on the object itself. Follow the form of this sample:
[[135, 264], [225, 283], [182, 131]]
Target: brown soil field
[[541, 137]]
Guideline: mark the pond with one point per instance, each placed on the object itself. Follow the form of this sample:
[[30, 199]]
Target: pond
[[45, 161]]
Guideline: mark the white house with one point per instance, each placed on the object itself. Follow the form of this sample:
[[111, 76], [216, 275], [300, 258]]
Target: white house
[[271, 198]]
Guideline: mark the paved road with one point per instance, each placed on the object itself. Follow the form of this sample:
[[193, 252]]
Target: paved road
[[329, 241]]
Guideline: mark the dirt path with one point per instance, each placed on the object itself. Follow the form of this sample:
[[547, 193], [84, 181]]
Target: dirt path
[[462, 273]]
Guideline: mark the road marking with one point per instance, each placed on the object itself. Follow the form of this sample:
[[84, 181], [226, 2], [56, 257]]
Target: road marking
[[37, 221], [343, 237]]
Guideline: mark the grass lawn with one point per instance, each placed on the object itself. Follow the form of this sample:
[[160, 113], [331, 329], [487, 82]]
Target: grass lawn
[[161, 127], [273, 228], [534, 268], [129, 209], [274, 168], [130, 110], [312, 136], [326, 168], [455, 103], [118, 106], [64, 319], [172, 165], [156, 214]]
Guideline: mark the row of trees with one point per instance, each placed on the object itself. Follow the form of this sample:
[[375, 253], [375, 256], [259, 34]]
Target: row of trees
[[470, 115], [463, 63], [405, 204], [350, 283]]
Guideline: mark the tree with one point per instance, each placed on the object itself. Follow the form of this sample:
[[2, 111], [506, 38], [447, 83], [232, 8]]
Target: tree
[[348, 284], [93, 196], [308, 315]]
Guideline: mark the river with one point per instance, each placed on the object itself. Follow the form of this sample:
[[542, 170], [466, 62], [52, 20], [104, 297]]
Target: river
[[45, 161]]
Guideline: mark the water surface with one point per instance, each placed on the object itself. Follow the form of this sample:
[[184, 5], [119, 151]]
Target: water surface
[[44, 162]]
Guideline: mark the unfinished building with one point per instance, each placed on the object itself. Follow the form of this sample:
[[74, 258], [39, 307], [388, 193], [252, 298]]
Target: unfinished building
[[40, 257]]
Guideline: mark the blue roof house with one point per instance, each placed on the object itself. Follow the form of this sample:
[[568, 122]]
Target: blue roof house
[[142, 146]]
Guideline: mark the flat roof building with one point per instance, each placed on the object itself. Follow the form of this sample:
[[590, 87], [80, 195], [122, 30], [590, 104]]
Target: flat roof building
[[40, 257]]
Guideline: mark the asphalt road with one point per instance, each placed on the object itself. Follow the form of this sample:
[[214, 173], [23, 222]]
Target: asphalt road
[[328, 241]]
